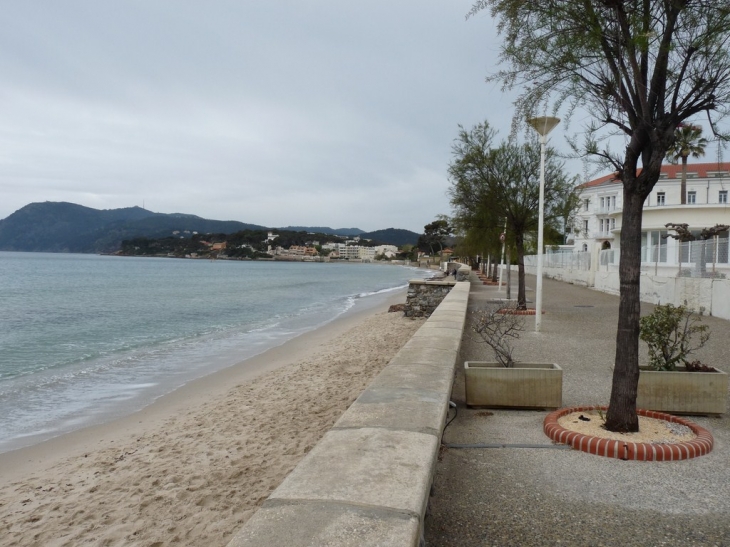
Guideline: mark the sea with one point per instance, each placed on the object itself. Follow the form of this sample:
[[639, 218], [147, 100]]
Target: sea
[[85, 338]]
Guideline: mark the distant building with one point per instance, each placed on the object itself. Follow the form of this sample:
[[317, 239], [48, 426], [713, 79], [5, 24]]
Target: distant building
[[297, 250], [388, 250]]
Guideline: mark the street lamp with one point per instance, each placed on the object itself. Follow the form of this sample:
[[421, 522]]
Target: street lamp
[[543, 125]]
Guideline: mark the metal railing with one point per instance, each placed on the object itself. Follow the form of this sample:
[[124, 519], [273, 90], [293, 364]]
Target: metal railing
[[699, 258]]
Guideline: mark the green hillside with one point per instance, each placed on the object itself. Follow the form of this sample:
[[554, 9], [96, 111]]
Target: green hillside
[[67, 227]]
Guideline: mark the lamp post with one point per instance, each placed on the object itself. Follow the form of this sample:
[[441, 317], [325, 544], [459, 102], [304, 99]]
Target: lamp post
[[543, 125]]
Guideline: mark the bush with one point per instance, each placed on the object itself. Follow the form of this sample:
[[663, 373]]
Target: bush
[[668, 331]]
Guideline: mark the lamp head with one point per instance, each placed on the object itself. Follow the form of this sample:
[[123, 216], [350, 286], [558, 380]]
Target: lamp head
[[543, 124]]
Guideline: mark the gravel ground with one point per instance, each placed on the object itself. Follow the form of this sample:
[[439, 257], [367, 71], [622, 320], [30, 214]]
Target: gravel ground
[[551, 496]]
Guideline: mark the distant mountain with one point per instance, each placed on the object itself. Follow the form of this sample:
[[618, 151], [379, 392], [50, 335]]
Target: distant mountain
[[392, 236], [72, 228], [347, 232]]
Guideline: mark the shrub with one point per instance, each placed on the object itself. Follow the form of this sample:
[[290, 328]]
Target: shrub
[[668, 331]]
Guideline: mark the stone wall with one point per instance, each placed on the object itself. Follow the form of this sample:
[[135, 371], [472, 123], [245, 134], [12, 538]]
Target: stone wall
[[425, 296]]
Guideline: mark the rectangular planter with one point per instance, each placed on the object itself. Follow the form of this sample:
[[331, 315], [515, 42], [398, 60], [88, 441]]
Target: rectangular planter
[[682, 392], [526, 385]]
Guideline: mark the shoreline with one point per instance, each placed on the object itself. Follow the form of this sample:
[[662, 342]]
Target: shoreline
[[195, 464], [137, 375], [195, 391]]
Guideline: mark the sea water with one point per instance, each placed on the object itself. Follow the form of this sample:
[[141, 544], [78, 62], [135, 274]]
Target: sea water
[[86, 338]]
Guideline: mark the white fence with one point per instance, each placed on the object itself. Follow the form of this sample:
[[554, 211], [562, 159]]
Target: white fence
[[690, 259], [568, 260], [695, 273]]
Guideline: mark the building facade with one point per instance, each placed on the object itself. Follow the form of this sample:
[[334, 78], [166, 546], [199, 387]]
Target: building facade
[[598, 222]]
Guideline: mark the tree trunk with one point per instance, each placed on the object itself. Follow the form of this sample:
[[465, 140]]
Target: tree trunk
[[508, 274], [521, 297], [495, 269], [683, 184], [621, 415]]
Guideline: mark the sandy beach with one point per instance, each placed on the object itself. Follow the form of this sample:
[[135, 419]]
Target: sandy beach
[[193, 467]]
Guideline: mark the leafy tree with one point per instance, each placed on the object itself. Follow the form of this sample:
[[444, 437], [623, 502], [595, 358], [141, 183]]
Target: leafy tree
[[689, 142], [434, 235], [490, 184], [640, 68]]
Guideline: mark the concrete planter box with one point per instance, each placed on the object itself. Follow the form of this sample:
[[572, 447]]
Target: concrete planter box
[[526, 385], [682, 392]]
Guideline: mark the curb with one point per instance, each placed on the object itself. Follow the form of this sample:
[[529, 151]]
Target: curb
[[624, 450]]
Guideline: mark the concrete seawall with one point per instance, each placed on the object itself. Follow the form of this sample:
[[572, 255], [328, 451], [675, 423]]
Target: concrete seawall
[[367, 481]]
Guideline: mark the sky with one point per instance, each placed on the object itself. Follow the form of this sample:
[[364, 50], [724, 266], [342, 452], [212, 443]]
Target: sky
[[289, 112]]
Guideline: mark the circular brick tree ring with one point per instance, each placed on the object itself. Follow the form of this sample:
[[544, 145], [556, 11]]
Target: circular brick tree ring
[[627, 450], [512, 311]]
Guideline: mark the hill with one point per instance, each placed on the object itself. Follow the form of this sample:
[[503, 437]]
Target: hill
[[72, 228], [347, 232], [392, 236], [67, 227]]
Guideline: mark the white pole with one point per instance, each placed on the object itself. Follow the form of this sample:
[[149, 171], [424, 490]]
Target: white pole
[[541, 219], [501, 265], [543, 125]]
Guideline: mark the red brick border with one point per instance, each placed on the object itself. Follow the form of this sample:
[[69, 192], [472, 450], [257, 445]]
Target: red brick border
[[512, 311], [626, 450]]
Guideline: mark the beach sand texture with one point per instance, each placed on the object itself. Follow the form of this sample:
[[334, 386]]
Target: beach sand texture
[[194, 472]]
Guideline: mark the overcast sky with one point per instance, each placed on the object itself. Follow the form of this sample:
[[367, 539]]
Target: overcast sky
[[287, 112]]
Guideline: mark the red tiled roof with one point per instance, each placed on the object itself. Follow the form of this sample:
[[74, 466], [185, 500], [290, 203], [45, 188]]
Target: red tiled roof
[[672, 171]]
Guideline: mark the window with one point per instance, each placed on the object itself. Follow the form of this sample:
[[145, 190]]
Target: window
[[660, 198], [586, 202], [613, 223], [613, 202], [691, 197], [585, 227], [603, 203], [722, 197]]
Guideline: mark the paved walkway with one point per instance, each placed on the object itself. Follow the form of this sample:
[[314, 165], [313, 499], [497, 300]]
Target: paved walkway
[[548, 496]]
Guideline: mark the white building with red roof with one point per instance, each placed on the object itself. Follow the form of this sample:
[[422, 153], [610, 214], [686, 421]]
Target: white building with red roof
[[598, 223]]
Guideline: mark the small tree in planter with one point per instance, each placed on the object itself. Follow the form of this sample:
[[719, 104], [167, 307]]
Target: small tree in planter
[[497, 328], [506, 383], [672, 334], [668, 331]]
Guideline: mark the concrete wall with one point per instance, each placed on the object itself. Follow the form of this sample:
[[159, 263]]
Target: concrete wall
[[367, 482]]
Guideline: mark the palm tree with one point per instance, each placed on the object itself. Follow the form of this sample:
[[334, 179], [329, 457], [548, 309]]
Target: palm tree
[[689, 142]]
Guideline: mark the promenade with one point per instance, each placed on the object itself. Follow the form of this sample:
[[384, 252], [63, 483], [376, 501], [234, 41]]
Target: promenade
[[549, 495]]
